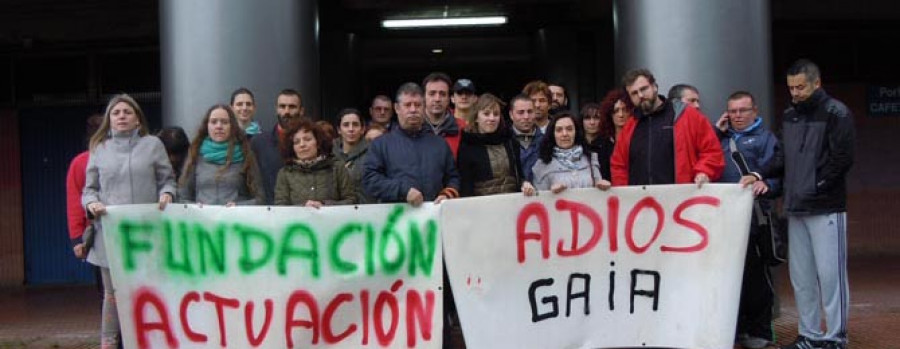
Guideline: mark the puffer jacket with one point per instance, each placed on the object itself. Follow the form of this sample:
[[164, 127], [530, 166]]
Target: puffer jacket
[[401, 160], [818, 136], [327, 181]]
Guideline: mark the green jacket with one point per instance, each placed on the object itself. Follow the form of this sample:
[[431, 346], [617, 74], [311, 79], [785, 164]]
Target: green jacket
[[353, 162], [327, 181]]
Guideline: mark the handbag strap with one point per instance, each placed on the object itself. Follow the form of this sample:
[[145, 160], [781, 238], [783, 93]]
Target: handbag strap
[[738, 159]]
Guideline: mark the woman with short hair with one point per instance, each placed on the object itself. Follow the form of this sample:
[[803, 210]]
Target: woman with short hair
[[312, 176]]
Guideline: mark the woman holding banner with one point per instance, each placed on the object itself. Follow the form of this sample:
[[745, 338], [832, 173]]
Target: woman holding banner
[[488, 159], [220, 168], [312, 176], [565, 161], [126, 166]]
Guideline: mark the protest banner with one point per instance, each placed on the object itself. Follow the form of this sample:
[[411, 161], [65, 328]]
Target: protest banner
[[654, 266], [279, 277]]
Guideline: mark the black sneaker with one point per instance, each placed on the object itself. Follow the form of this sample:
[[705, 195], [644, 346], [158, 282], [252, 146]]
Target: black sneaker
[[834, 345], [804, 343]]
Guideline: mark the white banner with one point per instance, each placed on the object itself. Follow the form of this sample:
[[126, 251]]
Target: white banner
[[277, 277], [655, 266]]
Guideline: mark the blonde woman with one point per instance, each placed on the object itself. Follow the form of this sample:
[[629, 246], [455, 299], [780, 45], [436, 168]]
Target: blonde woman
[[126, 166]]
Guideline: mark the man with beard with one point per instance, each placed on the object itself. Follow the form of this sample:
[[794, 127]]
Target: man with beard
[[667, 142], [438, 118], [558, 99], [406, 164], [289, 108]]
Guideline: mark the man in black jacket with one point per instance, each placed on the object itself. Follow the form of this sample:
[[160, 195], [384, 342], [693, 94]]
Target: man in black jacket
[[289, 108], [818, 140]]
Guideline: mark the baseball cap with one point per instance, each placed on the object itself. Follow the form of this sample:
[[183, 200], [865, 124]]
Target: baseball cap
[[464, 85]]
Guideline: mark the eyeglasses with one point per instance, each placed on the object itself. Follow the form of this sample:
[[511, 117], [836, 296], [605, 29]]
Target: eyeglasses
[[739, 111]]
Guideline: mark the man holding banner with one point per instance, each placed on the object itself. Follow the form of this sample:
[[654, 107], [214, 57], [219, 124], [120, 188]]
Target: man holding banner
[[748, 146], [666, 142], [409, 165]]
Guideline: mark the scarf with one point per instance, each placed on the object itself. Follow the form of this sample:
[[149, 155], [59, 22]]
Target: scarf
[[309, 163], [525, 139], [217, 152], [252, 129], [569, 158]]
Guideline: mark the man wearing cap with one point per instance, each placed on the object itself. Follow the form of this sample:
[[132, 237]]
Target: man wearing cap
[[438, 117], [463, 99]]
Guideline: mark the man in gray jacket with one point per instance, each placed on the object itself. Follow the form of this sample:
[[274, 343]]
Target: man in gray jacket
[[818, 138]]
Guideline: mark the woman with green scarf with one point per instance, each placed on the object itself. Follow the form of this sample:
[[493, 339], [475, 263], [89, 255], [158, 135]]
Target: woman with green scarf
[[220, 169]]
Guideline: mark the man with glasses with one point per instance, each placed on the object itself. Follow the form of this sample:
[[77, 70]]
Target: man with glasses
[[381, 112], [741, 128], [665, 142]]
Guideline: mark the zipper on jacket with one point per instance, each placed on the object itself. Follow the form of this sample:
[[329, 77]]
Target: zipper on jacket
[[649, 151], [803, 138], [130, 172]]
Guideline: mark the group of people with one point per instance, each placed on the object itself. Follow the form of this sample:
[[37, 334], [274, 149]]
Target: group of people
[[432, 152]]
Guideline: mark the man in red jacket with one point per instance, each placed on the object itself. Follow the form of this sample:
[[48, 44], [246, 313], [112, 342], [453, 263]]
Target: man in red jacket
[[666, 142]]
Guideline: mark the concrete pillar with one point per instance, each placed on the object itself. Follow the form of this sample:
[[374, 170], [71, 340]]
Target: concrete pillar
[[720, 46], [209, 48]]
